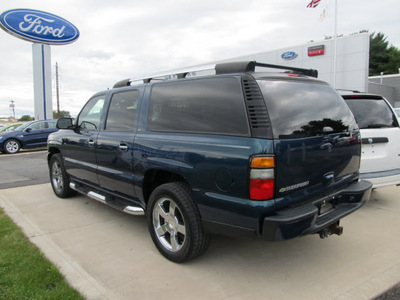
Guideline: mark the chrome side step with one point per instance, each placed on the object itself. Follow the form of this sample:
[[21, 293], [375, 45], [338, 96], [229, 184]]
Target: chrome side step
[[97, 197], [134, 210], [117, 204]]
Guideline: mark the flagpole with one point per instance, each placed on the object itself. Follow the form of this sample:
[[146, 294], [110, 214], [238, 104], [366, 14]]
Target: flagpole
[[335, 49]]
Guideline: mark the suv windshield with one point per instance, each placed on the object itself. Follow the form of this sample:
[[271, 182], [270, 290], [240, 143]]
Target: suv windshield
[[300, 109], [372, 113]]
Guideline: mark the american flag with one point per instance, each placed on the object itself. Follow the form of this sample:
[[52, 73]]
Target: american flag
[[313, 3]]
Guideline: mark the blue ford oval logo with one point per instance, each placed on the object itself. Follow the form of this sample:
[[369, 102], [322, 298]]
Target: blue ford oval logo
[[289, 55], [38, 26]]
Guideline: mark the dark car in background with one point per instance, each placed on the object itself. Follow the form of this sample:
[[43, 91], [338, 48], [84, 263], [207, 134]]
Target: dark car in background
[[29, 135], [380, 134]]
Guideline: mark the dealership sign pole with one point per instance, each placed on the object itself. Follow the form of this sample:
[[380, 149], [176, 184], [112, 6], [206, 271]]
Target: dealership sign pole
[[43, 29]]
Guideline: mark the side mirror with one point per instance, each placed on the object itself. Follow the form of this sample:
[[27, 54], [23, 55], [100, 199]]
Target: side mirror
[[28, 129], [64, 123]]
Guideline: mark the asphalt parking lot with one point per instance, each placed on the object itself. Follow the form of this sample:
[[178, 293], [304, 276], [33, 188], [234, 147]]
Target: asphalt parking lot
[[109, 255]]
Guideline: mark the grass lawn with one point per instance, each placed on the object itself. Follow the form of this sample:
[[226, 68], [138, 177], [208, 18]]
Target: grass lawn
[[25, 273]]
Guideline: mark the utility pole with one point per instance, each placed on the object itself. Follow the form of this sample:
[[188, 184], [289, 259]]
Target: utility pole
[[57, 90], [12, 106]]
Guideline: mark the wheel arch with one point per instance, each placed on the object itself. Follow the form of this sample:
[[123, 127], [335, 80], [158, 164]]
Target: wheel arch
[[155, 177], [51, 152]]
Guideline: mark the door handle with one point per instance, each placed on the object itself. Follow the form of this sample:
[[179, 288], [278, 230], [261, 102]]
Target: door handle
[[123, 147], [375, 140]]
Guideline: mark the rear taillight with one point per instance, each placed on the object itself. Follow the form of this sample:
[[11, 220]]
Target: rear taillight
[[262, 177]]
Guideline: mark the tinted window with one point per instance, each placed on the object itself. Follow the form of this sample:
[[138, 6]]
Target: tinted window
[[37, 126], [202, 106], [42, 125], [89, 118], [301, 109], [122, 111], [51, 124], [372, 113]]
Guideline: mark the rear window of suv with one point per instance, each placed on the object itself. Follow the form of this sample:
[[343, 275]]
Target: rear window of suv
[[372, 112], [303, 109], [213, 106]]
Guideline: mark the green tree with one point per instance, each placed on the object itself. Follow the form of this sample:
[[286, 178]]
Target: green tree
[[382, 56], [61, 114], [26, 118]]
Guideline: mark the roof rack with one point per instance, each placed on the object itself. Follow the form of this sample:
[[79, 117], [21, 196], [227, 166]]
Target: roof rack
[[220, 68]]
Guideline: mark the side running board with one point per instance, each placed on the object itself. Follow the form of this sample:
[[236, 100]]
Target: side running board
[[116, 203]]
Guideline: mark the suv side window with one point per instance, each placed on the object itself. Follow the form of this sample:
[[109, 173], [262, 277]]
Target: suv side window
[[89, 118], [122, 112], [214, 106]]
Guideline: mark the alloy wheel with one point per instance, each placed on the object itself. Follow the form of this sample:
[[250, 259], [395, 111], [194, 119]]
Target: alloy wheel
[[56, 176], [12, 146], [169, 225]]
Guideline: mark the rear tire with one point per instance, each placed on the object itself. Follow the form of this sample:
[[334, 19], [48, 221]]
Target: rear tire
[[59, 178], [175, 224]]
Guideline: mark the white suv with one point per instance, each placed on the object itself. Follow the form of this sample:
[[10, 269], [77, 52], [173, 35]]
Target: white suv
[[380, 133], [397, 111]]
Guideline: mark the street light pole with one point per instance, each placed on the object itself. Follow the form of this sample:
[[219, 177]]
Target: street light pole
[[12, 106], [57, 90]]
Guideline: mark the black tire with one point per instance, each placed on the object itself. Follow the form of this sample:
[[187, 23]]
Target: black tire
[[59, 178], [11, 146], [175, 224]]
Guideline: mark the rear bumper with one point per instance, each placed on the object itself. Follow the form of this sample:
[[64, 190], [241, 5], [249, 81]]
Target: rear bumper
[[382, 178], [316, 216]]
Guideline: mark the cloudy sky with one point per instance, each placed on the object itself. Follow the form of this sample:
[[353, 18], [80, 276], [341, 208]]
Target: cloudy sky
[[123, 39]]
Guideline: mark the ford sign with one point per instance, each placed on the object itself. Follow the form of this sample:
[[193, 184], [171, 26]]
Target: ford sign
[[38, 26], [289, 55]]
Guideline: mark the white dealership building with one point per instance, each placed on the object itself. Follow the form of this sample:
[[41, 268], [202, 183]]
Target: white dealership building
[[343, 63]]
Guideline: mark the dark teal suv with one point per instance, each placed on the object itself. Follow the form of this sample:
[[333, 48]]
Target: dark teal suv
[[260, 154]]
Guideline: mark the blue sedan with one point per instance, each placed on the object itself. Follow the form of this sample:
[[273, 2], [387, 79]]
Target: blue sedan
[[29, 135]]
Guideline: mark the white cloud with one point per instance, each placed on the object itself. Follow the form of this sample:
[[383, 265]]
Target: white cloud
[[120, 39]]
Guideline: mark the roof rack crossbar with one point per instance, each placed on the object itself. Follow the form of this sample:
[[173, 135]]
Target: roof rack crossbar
[[181, 73], [221, 68]]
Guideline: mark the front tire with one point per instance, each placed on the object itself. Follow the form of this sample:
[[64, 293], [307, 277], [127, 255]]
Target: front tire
[[11, 146], [175, 224], [59, 178]]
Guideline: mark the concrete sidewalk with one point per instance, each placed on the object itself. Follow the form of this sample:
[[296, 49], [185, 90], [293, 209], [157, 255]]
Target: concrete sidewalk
[[109, 255]]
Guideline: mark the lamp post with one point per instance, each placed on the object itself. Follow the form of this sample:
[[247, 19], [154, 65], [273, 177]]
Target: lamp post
[[12, 106]]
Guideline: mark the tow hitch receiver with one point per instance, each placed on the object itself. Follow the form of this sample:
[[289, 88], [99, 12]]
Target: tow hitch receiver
[[331, 229]]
